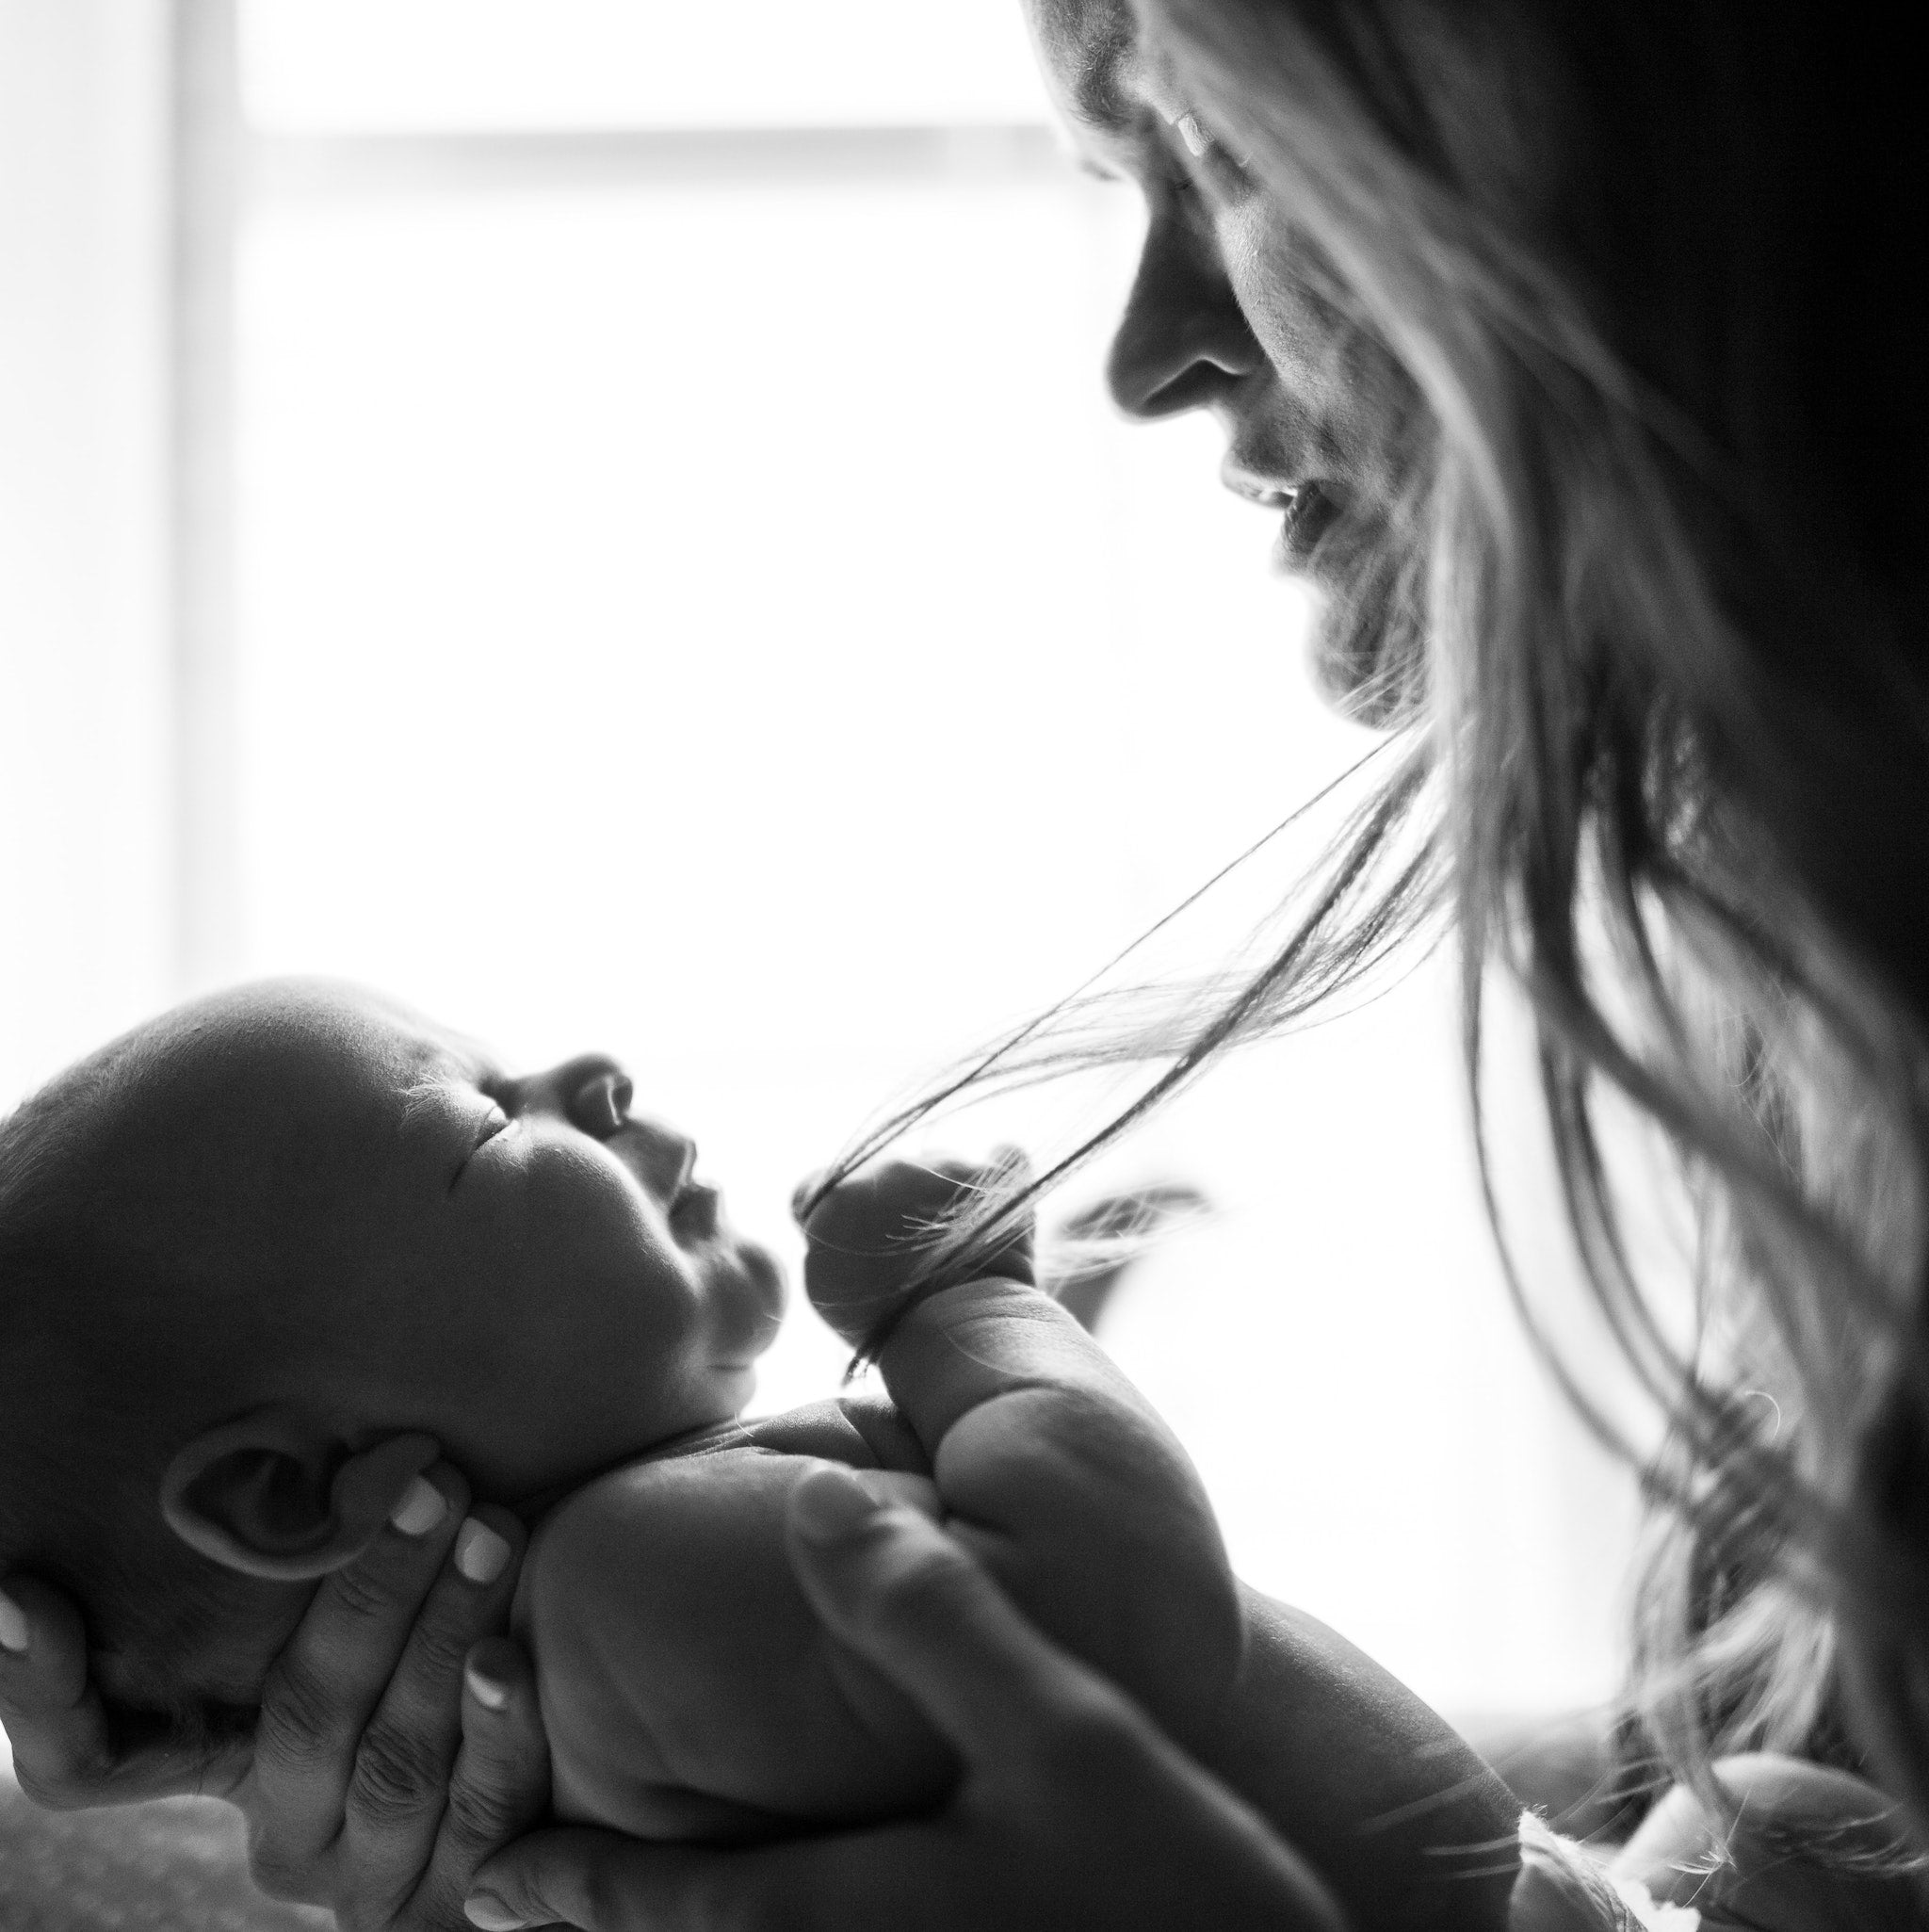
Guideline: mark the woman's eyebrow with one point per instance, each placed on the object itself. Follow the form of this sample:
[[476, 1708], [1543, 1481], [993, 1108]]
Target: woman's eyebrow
[[1100, 89]]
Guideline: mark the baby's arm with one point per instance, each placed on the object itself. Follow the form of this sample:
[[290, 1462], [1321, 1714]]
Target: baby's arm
[[686, 1688], [1052, 1467], [1055, 1470]]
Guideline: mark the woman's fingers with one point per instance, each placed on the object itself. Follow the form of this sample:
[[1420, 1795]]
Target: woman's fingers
[[603, 1882], [600, 1881], [65, 1751], [329, 1677], [500, 1784], [889, 1584], [1074, 1812], [399, 1791], [1116, 1825], [53, 1717]]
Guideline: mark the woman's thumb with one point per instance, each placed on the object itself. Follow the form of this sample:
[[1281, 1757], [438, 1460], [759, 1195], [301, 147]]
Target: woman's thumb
[[891, 1585]]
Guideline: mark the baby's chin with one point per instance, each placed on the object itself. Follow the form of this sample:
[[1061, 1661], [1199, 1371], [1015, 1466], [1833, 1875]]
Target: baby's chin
[[735, 1385]]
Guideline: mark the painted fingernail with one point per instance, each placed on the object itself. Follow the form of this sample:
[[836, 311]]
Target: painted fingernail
[[14, 1632], [485, 1690], [485, 1909], [481, 1553], [829, 1504], [423, 1505]]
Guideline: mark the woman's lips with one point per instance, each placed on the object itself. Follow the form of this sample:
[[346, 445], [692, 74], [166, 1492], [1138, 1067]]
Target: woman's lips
[[1309, 513]]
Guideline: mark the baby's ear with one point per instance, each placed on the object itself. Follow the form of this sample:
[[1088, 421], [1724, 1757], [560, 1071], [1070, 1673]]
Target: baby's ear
[[276, 1495]]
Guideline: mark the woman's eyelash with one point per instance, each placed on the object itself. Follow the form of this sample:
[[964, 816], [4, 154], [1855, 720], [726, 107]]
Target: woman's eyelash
[[1224, 170], [492, 1123]]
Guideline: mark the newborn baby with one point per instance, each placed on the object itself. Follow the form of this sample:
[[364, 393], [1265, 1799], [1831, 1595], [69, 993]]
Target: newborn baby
[[260, 1255], [249, 1242]]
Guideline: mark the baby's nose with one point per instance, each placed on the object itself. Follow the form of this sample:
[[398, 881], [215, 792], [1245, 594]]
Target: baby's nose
[[598, 1096], [591, 1091]]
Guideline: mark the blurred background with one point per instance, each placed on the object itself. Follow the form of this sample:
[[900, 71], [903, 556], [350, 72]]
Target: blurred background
[[602, 518]]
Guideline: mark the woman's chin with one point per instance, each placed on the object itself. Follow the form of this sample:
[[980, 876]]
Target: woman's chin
[[1362, 647], [1343, 661]]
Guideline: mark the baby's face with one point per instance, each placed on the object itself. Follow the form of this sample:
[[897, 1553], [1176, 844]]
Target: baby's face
[[409, 1237]]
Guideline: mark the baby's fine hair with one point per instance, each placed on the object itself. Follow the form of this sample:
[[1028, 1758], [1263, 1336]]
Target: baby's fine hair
[[83, 1424]]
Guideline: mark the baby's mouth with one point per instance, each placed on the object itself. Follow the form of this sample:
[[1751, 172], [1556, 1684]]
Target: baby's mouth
[[693, 1210]]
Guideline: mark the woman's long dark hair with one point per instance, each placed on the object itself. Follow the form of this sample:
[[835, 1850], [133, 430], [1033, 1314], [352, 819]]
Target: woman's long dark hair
[[1664, 757]]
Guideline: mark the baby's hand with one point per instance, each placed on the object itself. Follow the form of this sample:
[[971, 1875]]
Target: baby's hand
[[871, 1237], [1049, 1465]]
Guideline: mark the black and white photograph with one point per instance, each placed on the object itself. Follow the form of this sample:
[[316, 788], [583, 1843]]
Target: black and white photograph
[[963, 965]]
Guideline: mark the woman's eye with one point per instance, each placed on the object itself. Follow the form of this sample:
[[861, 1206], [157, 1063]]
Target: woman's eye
[[490, 1123], [1204, 164]]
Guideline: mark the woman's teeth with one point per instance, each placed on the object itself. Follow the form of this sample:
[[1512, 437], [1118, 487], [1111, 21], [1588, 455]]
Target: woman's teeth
[[1308, 514]]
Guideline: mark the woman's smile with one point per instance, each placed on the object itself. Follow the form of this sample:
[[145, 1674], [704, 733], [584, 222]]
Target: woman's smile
[[1307, 515], [1308, 507]]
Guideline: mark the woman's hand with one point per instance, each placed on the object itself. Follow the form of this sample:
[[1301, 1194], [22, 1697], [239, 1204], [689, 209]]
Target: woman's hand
[[376, 1779], [1073, 1811]]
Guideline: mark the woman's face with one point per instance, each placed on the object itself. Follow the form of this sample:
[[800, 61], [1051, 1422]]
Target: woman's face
[[1225, 314]]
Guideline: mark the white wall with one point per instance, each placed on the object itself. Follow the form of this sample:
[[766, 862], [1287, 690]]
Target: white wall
[[85, 939]]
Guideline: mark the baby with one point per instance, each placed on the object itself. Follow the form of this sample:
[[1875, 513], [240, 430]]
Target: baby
[[259, 1257]]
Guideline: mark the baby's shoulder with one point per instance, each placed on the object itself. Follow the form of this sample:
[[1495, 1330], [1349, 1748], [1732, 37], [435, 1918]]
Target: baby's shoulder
[[729, 1474], [658, 1496]]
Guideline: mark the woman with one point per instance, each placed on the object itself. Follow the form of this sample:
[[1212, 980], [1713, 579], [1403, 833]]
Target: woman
[[1569, 340]]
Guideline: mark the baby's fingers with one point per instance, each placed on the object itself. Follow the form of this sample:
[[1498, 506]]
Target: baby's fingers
[[66, 1753], [874, 1235]]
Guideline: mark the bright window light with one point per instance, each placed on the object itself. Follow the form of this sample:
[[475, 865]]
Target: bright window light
[[407, 66]]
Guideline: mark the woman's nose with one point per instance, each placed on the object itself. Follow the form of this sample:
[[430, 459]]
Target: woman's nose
[[1182, 341]]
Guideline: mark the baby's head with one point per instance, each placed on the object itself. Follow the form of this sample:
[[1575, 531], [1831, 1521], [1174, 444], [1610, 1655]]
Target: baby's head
[[247, 1243]]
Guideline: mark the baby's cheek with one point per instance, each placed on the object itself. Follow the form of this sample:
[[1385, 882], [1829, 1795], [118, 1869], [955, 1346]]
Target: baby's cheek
[[746, 1305]]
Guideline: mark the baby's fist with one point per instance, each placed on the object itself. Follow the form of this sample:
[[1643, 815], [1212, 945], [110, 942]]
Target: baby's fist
[[873, 1237]]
